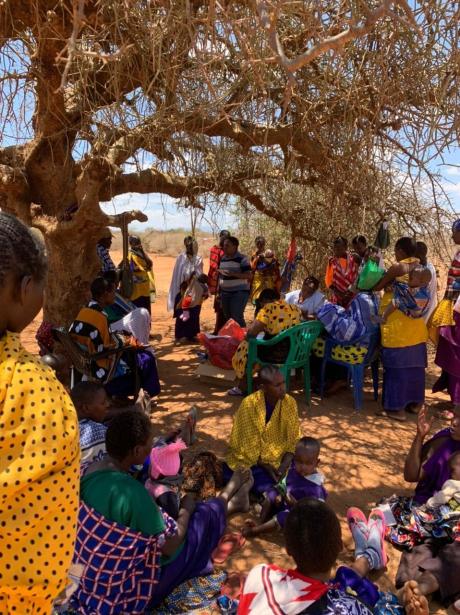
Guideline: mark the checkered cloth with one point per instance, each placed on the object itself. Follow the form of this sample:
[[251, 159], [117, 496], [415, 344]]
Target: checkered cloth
[[121, 566]]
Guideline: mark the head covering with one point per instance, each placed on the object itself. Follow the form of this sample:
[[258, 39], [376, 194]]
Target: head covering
[[165, 460], [106, 233], [134, 241], [456, 226]]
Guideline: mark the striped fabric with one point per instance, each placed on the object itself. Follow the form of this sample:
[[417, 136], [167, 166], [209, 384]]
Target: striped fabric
[[234, 264], [120, 566], [215, 255], [343, 278], [453, 279]]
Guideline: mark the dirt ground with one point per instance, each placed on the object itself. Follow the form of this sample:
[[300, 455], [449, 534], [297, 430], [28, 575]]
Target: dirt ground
[[362, 455]]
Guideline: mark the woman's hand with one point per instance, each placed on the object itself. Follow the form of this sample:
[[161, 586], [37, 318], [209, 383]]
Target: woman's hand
[[188, 503], [424, 423]]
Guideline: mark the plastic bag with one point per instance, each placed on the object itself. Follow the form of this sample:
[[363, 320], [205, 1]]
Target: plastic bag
[[220, 349], [370, 275], [233, 329]]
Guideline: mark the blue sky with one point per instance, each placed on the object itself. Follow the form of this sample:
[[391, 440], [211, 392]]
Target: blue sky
[[164, 214]]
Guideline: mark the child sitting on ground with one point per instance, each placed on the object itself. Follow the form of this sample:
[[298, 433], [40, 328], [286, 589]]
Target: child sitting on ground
[[164, 480], [195, 293], [302, 480], [410, 291], [450, 491], [92, 405]]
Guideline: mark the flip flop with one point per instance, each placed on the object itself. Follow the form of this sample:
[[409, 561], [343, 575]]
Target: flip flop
[[376, 512], [355, 514], [228, 544], [235, 392], [233, 586]]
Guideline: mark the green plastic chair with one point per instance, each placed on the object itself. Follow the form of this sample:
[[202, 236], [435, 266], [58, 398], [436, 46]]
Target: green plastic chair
[[301, 339]]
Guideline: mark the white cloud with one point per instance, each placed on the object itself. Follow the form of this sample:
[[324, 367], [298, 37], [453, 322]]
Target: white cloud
[[452, 170]]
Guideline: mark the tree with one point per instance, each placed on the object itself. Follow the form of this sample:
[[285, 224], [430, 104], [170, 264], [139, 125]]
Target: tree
[[185, 98]]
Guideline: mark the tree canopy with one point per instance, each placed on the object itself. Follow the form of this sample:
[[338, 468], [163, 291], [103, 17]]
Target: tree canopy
[[345, 102]]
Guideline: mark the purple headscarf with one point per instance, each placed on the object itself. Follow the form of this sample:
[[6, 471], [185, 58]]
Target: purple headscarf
[[456, 226]]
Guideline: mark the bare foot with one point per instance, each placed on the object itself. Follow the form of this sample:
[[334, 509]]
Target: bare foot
[[238, 478], [240, 500], [413, 600]]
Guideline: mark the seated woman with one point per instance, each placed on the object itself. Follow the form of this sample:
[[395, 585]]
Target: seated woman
[[275, 316], [434, 564], [124, 315], [309, 299], [91, 331], [265, 432], [314, 541], [156, 554]]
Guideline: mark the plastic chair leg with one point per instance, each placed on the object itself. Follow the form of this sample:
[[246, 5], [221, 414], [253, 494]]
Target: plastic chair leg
[[358, 382], [322, 382], [375, 378], [306, 382]]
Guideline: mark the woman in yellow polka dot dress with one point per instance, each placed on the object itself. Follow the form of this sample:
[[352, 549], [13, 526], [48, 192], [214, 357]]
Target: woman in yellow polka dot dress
[[39, 450]]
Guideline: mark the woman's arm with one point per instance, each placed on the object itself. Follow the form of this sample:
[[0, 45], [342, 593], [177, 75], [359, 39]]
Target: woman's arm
[[393, 272], [414, 460], [185, 512], [255, 328]]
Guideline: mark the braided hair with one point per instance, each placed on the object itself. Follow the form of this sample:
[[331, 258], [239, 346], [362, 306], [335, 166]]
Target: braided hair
[[22, 253]]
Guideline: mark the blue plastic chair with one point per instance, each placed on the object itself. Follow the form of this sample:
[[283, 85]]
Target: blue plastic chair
[[355, 371], [301, 338]]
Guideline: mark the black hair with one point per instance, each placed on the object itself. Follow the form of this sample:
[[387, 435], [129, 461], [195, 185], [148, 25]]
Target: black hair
[[313, 536], [22, 252], [127, 430], [99, 286], [267, 372], [84, 392], [341, 239], [359, 239], [111, 276], [312, 444], [188, 239], [269, 294], [311, 278], [224, 233], [259, 238], [203, 278], [233, 240], [422, 248], [408, 245]]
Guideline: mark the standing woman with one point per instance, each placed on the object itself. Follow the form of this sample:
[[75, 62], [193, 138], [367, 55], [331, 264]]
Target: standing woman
[[265, 268], [39, 445], [445, 324], [403, 344], [341, 273], [187, 264], [143, 280], [234, 281]]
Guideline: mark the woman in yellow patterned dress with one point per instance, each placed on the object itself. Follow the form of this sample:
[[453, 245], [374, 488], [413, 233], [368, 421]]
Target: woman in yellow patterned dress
[[39, 448], [275, 316]]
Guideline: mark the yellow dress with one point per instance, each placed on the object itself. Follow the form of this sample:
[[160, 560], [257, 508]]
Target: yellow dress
[[143, 279], [39, 481], [400, 330], [252, 438], [276, 317]]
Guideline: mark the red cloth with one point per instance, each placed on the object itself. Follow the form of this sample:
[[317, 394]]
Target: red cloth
[[215, 255], [342, 278]]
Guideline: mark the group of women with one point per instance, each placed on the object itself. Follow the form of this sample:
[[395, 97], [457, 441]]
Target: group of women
[[130, 555]]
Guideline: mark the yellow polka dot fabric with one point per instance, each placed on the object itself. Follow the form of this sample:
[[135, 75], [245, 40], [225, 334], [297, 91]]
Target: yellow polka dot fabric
[[319, 347], [252, 438], [354, 355], [39, 481]]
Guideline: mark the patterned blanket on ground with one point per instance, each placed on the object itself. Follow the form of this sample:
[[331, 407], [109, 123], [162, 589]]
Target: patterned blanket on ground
[[415, 523]]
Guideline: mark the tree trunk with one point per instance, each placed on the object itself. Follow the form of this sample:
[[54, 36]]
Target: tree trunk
[[72, 260]]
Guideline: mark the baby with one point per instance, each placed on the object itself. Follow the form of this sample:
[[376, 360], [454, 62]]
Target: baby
[[164, 479], [302, 480], [196, 292], [266, 261], [450, 491], [410, 292]]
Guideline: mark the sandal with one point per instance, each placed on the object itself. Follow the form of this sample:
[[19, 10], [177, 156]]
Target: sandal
[[357, 523], [376, 515], [235, 392], [228, 544]]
